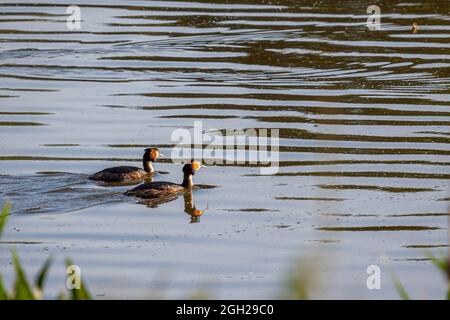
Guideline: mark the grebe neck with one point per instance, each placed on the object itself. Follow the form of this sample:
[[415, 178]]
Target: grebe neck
[[147, 163], [187, 181], [148, 167]]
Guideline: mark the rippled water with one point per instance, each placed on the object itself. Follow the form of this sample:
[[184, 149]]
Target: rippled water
[[364, 141]]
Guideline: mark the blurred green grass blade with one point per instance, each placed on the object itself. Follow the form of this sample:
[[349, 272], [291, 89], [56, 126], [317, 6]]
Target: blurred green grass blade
[[40, 279], [61, 296], [3, 292], [78, 294], [400, 288], [443, 264], [299, 282], [21, 286], [439, 263], [81, 294], [4, 217]]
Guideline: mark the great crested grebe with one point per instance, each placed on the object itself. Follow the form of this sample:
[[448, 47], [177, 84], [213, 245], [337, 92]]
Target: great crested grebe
[[163, 189], [128, 173]]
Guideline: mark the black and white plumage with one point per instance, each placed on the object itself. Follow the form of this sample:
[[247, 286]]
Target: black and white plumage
[[129, 173], [166, 190]]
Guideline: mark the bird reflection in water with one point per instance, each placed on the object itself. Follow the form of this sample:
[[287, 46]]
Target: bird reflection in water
[[190, 209], [189, 206]]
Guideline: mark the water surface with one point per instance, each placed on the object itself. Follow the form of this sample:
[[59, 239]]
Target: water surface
[[364, 143]]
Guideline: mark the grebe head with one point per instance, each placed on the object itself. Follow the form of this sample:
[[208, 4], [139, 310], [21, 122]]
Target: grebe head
[[189, 170], [150, 155]]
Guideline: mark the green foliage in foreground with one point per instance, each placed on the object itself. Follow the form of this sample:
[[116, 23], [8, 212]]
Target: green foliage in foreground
[[442, 263], [400, 288], [297, 286], [77, 294], [302, 279], [3, 218], [23, 289]]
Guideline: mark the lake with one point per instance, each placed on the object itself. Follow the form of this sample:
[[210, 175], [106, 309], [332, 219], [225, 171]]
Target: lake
[[363, 119]]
